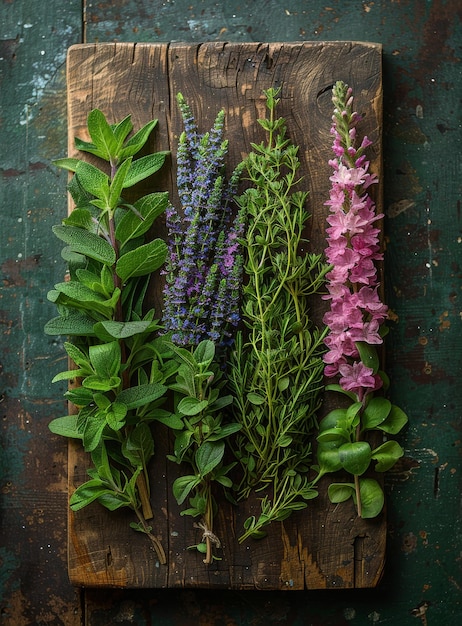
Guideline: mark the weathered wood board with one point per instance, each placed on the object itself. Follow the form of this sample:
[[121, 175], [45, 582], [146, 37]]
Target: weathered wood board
[[324, 546]]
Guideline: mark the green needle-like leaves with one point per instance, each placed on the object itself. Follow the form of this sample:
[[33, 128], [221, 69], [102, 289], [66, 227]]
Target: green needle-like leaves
[[276, 367]]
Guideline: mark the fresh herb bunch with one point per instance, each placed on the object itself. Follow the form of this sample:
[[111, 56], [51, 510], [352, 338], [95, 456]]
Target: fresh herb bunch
[[201, 309], [356, 323], [204, 264], [276, 369], [121, 367]]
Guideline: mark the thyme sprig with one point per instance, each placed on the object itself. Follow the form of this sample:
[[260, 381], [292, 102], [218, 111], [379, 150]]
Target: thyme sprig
[[276, 367]]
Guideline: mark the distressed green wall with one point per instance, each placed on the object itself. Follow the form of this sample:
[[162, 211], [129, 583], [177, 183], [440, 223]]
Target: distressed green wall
[[422, 44]]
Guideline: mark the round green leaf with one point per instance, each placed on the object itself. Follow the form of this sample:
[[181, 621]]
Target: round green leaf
[[355, 457], [386, 455], [375, 413], [328, 458], [340, 492], [333, 434], [395, 421], [372, 498], [333, 419]]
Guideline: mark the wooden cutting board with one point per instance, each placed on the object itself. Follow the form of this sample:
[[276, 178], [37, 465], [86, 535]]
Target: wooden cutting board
[[324, 546]]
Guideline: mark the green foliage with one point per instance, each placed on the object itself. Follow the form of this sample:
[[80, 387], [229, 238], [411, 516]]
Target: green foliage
[[122, 368], [200, 437], [276, 368], [343, 443]]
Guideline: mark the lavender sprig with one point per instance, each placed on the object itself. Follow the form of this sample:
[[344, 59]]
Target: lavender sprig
[[204, 265]]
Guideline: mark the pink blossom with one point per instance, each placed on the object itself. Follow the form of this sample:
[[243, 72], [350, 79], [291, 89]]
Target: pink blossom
[[368, 332], [348, 177], [356, 311], [368, 299], [357, 378]]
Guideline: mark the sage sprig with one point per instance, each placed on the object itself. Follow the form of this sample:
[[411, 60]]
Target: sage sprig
[[276, 369], [121, 367]]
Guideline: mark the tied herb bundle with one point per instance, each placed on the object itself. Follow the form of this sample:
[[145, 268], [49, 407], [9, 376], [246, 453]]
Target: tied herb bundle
[[117, 358], [201, 304], [355, 323], [276, 369]]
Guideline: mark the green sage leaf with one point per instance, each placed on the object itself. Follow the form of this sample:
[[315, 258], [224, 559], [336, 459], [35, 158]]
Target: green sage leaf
[[120, 330], [117, 184], [69, 164], [102, 135], [191, 406], [143, 260], [204, 353], [136, 223], [93, 180], [65, 426], [106, 358], [135, 143], [89, 244], [121, 131], [134, 397], [93, 431], [144, 167], [75, 323]]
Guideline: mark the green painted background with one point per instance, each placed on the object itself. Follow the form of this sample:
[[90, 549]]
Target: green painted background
[[422, 43]]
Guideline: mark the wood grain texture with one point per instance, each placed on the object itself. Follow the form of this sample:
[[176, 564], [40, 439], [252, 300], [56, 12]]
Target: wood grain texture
[[323, 546]]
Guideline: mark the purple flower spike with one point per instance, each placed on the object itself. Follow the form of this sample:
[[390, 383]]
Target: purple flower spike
[[204, 264]]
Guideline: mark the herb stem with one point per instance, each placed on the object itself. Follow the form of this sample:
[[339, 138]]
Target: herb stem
[[156, 543]]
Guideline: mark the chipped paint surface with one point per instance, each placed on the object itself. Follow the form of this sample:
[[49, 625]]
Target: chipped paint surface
[[422, 153]]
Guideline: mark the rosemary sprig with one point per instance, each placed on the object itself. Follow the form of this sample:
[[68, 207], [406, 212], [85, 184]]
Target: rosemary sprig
[[276, 368]]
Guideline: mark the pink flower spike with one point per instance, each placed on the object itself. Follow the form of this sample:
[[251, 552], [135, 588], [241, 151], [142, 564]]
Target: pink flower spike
[[356, 311]]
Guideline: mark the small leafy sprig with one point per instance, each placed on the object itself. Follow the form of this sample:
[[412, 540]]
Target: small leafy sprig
[[276, 368], [121, 368], [201, 309], [356, 323], [200, 442]]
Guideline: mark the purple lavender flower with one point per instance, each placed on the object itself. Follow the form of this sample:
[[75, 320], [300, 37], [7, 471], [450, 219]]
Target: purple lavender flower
[[356, 312], [204, 264]]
